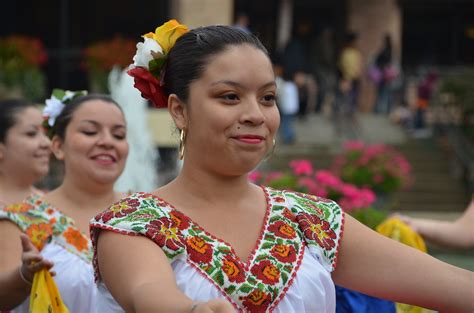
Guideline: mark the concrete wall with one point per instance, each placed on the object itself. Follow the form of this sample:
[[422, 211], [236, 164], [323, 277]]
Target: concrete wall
[[372, 19], [195, 13]]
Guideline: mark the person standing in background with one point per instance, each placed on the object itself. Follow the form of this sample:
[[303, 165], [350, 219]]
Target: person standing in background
[[350, 70], [287, 101]]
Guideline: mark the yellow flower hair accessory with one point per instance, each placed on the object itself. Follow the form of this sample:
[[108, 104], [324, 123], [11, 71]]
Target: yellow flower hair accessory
[[150, 59]]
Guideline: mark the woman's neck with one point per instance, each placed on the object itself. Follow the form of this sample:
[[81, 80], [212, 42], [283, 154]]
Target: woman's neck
[[14, 190], [73, 194], [203, 186]]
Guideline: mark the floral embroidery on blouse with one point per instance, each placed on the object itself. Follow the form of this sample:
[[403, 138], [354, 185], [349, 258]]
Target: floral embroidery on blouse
[[44, 224], [292, 221]]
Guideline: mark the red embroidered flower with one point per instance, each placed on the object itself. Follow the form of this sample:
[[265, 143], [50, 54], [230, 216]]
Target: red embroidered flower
[[317, 229], [279, 199], [266, 272], [119, 209], [257, 301], [289, 215], [164, 232], [180, 219], [233, 270], [199, 251], [149, 86], [284, 253], [282, 229]]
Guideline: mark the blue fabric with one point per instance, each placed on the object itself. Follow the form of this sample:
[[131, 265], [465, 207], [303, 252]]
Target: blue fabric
[[348, 301]]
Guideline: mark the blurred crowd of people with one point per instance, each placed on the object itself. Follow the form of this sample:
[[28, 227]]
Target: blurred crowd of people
[[327, 74]]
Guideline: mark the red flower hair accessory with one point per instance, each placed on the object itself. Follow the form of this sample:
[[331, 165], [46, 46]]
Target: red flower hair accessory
[[150, 58]]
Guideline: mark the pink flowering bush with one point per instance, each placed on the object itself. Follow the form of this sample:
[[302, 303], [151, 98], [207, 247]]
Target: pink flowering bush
[[378, 167], [322, 183]]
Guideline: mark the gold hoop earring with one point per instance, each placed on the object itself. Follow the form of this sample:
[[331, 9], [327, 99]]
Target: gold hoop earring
[[182, 139], [269, 156]]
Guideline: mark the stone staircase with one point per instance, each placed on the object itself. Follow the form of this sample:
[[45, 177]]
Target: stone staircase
[[434, 188]]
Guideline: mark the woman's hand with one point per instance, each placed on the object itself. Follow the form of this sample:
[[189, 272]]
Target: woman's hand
[[32, 260], [213, 306]]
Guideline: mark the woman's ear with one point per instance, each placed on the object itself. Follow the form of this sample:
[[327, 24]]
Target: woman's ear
[[57, 148], [178, 111]]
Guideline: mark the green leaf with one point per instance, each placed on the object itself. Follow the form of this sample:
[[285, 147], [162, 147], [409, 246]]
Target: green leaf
[[230, 289], [284, 277], [59, 93], [137, 228], [156, 65], [219, 278], [267, 245], [245, 288], [223, 249]]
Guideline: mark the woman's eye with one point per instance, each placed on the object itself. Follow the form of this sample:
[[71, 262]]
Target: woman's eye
[[31, 133], [269, 98], [89, 133], [119, 136], [230, 97]]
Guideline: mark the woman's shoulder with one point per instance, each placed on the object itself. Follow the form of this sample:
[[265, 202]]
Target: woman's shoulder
[[27, 212], [136, 208]]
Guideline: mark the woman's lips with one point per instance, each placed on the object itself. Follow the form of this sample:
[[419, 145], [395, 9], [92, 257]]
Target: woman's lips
[[250, 139], [104, 159]]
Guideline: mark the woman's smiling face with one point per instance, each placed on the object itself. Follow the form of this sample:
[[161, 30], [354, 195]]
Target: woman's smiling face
[[232, 114]]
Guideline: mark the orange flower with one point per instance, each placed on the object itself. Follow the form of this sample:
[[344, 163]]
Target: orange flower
[[266, 272], [199, 251], [39, 234], [18, 208], [232, 270], [76, 238], [282, 229], [257, 301], [284, 253], [167, 34]]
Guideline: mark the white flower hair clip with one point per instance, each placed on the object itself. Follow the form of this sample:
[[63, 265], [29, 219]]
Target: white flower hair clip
[[56, 104]]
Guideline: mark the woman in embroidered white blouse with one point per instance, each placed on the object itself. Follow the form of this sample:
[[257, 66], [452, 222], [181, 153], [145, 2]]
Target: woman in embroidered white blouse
[[89, 136], [210, 241]]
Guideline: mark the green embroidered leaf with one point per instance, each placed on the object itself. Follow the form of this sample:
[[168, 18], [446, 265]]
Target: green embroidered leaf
[[137, 228], [269, 237], [267, 245], [252, 280], [223, 249], [278, 207], [275, 218], [219, 278], [191, 232], [261, 286], [279, 241], [284, 277], [230, 289], [206, 238], [245, 288], [210, 269], [260, 257]]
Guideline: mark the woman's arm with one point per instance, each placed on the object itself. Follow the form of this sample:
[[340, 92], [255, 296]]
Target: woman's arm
[[384, 268], [138, 275], [458, 234], [16, 256]]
